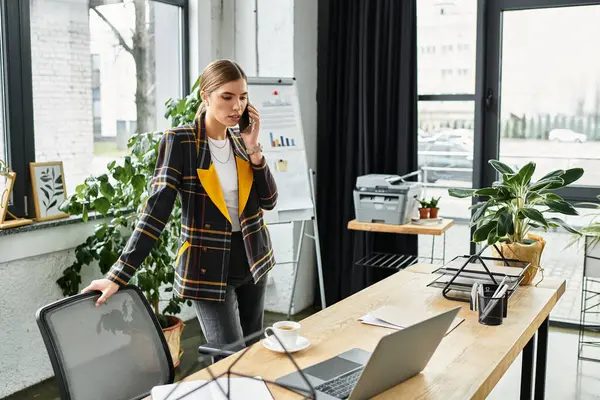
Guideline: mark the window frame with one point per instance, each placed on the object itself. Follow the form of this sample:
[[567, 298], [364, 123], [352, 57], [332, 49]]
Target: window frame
[[488, 52], [458, 97], [18, 101], [19, 92]]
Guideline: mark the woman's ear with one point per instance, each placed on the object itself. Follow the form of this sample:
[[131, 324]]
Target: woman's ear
[[204, 97]]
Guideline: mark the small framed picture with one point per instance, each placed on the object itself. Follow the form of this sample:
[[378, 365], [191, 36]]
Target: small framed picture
[[49, 191], [7, 180]]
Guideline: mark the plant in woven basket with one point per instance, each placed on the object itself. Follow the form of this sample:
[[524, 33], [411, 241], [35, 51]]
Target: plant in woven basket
[[514, 205]]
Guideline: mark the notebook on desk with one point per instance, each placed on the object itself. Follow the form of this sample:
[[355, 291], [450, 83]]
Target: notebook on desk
[[397, 318], [240, 388]]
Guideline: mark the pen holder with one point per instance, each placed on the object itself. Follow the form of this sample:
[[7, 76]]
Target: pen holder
[[498, 306]]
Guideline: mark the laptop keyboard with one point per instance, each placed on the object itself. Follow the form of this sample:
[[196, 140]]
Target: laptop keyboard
[[341, 386]]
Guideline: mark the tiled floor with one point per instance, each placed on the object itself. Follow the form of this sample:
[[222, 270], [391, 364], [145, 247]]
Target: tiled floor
[[566, 377]]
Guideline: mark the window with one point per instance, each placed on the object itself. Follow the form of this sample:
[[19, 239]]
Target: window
[[450, 34], [447, 49], [96, 101], [559, 123], [264, 37], [93, 65], [446, 93]]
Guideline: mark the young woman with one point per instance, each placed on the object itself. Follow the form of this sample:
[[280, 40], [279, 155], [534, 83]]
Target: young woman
[[224, 184]]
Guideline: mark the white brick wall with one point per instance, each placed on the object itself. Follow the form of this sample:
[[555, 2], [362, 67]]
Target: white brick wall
[[62, 79]]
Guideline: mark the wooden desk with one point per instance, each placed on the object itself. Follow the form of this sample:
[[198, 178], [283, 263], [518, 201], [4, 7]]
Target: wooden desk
[[468, 363]]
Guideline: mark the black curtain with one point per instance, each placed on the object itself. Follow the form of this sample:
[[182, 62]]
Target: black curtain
[[367, 123]]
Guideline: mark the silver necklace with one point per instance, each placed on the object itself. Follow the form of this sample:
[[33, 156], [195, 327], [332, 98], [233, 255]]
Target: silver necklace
[[215, 158], [214, 142]]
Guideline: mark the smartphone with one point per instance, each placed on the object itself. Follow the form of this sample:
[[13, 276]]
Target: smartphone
[[244, 119]]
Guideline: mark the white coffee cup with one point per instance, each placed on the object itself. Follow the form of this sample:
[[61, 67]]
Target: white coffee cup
[[286, 331]]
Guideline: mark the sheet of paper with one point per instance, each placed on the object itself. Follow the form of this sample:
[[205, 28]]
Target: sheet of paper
[[183, 390], [240, 388], [371, 320], [290, 171], [397, 318]]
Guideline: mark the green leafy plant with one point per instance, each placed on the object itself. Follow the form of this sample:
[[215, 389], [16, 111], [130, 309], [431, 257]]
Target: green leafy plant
[[119, 194], [424, 203], [591, 231], [433, 203], [514, 205]]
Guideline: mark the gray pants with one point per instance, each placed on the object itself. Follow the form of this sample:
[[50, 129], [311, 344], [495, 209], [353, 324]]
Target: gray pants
[[241, 314]]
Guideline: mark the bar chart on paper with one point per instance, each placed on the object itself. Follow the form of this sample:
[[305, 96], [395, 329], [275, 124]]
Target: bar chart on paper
[[282, 138], [281, 141], [280, 130]]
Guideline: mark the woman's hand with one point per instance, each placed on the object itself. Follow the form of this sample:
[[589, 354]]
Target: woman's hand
[[250, 134], [107, 287]]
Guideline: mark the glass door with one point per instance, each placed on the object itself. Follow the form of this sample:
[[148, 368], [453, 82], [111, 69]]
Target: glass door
[[542, 104]]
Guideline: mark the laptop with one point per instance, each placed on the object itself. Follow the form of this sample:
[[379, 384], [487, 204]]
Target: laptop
[[358, 374]]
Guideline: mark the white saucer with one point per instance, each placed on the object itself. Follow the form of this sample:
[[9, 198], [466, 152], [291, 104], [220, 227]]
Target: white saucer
[[274, 345]]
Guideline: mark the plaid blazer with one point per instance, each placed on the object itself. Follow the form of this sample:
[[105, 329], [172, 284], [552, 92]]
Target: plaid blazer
[[184, 167]]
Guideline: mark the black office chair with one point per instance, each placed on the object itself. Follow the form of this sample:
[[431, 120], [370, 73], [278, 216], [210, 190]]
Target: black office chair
[[116, 351], [212, 351], [216, 353]]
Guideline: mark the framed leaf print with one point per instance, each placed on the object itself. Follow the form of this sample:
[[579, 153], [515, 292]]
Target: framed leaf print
[[49, 191]]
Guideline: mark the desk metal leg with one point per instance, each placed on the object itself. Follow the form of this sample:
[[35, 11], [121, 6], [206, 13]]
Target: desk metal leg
[[540, 360], [527, 370], [444, 250], [432, 247], [296, 265]]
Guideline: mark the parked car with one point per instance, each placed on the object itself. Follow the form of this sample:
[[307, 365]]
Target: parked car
[[451, 152], [566, 135], [448, 155]]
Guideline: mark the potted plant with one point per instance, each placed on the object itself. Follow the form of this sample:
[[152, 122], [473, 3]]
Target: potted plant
[[424, 209], [120, 195], [433, 207], [515, 205], [590, 234]]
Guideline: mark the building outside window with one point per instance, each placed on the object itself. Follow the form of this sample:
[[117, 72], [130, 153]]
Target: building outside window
[[135, 48]]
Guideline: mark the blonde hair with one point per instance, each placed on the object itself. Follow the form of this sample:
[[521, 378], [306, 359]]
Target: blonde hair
[[215, 75]]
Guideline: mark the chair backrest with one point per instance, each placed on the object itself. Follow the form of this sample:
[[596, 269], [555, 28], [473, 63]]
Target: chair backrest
[[115, 351]]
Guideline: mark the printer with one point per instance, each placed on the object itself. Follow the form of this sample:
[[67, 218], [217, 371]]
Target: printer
[[387, 199]]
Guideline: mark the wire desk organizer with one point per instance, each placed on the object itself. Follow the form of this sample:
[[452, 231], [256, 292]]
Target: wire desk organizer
[[459, 274], [308, 392]]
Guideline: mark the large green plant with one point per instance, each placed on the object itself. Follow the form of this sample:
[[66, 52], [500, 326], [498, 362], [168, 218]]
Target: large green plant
[[591, 231], [118, 195], [514, 204]]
